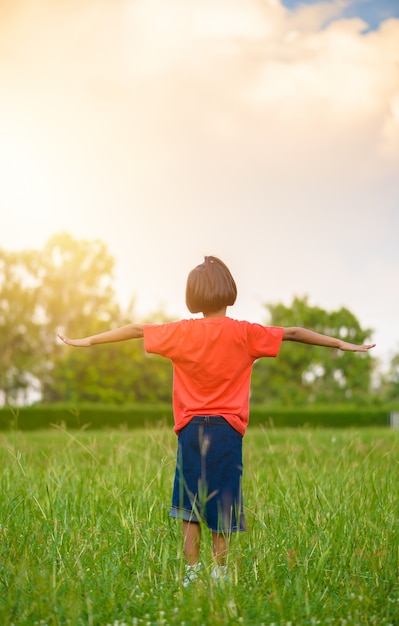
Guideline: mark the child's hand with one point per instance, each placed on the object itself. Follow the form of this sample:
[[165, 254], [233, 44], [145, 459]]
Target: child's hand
[[77, 343], [352, 347]]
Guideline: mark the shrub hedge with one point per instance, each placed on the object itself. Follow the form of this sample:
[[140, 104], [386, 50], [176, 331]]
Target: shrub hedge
[[142, 416]]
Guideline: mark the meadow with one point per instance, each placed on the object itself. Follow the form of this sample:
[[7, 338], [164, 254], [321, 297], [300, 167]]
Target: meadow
[[85, 536]]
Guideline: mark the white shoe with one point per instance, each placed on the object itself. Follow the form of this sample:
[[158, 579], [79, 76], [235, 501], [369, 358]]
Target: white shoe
[[191, 574], [219, 572]]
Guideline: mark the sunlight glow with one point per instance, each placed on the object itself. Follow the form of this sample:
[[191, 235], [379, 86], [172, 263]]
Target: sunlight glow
[[24, 184]]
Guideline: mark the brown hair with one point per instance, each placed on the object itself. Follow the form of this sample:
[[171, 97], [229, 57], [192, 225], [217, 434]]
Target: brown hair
[[210, 287]]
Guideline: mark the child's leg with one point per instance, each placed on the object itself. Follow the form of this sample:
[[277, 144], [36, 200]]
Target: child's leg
[[221, 543], [192, 540]]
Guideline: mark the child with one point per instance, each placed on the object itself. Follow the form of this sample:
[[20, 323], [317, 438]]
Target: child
[[212, 362]]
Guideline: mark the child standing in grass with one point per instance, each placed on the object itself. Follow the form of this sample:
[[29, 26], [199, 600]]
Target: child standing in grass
[[212, 362]]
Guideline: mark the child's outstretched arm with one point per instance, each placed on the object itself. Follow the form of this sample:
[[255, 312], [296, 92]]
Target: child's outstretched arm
[[303, 335], [130, 331]]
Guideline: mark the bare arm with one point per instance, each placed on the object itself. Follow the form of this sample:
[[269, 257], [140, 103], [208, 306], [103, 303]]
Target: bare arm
[[302, 335], [130, 331]]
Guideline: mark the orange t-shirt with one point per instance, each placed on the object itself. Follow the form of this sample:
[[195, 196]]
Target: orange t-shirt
[[212, 364]]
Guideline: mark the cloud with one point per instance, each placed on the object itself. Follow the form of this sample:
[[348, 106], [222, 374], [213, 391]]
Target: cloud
[[234, 66], [238, 127], [250, 84], [219, 61]]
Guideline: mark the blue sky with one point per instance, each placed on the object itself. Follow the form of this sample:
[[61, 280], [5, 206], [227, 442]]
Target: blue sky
[[371, 11]]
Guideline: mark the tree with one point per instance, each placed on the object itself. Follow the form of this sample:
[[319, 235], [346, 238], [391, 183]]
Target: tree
[[76, 284], [76, 298], [308, 374], [67, 287], [390, 381], [20, 327], [117, 373]]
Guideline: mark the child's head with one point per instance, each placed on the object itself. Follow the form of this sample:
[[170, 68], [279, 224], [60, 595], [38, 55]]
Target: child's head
[[210, 287]]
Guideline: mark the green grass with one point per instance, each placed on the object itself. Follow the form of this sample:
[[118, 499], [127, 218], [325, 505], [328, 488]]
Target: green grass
[[85, 537]]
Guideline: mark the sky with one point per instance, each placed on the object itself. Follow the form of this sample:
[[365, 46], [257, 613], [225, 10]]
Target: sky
[[261, 131]]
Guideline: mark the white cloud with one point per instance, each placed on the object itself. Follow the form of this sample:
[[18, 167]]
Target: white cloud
[[234, 127]]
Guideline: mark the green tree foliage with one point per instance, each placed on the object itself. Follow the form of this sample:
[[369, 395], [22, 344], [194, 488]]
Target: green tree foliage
[[308, 374], [20, 327], [80, 301], [76, 298], [117, 373], [67, 287], [76, 285], [390, 383]]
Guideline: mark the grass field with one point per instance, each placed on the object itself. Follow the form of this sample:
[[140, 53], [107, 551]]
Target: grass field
[[85, 536]]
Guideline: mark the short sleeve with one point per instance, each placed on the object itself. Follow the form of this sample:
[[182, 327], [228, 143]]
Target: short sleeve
[[264, 341], [162, 339]]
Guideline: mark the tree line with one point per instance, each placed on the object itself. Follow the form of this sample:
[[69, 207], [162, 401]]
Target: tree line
[[68, 287]]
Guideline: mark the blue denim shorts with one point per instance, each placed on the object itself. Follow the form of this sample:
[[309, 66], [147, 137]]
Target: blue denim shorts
[[207, 485]]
